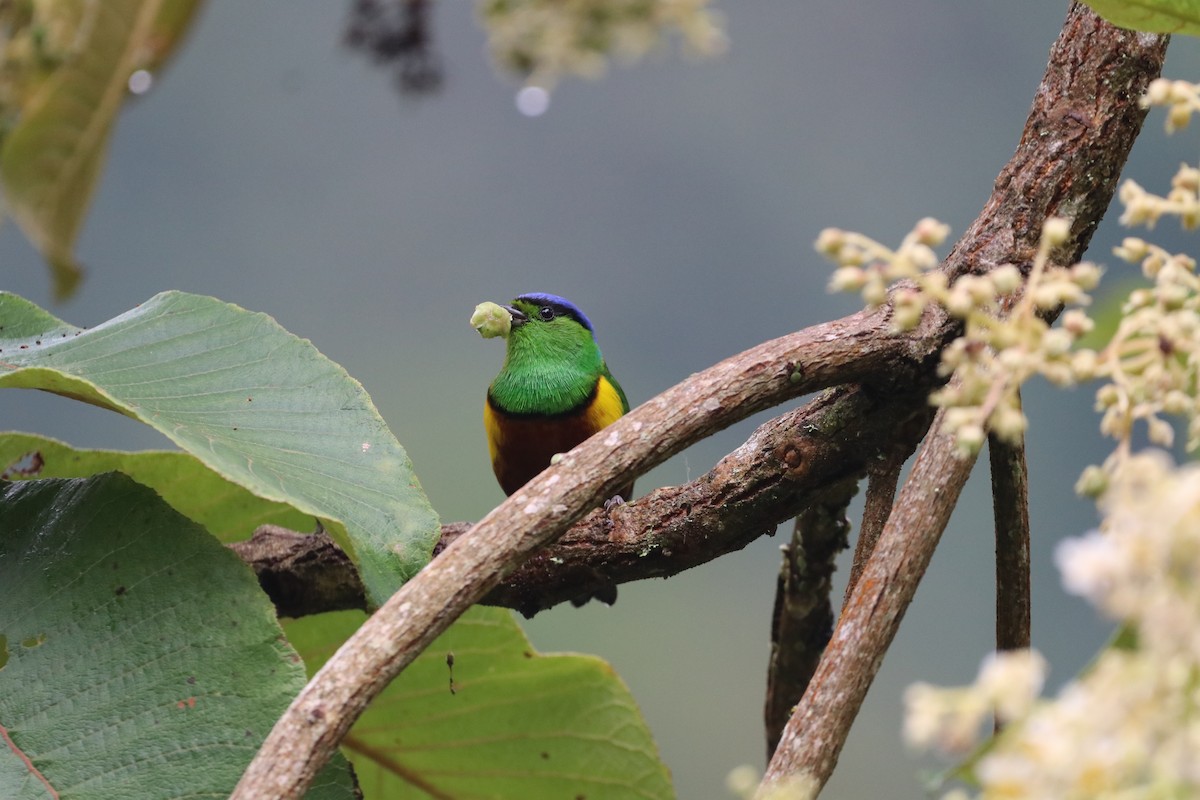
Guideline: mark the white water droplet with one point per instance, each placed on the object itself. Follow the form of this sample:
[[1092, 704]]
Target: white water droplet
[[140, 81], [532, 101]]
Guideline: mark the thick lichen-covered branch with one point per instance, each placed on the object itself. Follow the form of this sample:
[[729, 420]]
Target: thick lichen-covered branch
[[771, 478]]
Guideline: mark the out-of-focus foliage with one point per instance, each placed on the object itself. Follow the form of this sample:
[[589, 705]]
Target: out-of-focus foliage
[[66, 67], [138, 657], [543, 40]]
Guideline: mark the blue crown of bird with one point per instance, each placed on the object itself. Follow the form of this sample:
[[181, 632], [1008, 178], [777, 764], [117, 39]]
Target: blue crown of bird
[[554, 390]]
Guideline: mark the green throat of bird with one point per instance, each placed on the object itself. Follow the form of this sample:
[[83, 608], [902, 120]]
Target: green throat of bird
[[546, 377]]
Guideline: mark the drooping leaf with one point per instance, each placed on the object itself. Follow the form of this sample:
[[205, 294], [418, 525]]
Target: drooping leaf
[[227, 510], [501, 721], [138, 657], [254, 403], [50, 160], [1156, 16]]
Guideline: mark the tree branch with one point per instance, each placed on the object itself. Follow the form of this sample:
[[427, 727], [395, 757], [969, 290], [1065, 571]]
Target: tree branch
[[1010, 507], [1067, 165], [814, 735], [882, 479], [1084, 120], [802, 619], [844, 350], [769, 479], [302, 573]]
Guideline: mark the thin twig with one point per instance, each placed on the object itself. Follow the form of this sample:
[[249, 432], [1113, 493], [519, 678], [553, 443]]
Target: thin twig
[[1010, 507], [882, 479]]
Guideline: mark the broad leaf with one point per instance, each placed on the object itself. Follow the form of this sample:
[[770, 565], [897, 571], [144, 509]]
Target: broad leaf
[[502, 722], [51, 159], [1157, 16], [138, 657], [226, 510], [254, 403]]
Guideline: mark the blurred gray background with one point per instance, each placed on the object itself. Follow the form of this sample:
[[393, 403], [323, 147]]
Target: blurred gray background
[[676, 202]]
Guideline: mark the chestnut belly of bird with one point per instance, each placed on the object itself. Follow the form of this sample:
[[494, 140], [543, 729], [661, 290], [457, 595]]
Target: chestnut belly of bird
[[522, 445]]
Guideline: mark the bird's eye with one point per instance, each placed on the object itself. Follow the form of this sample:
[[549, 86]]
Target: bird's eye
[[546, 313]]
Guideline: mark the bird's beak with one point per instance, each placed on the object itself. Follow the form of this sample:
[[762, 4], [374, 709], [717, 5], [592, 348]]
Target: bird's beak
[[518, 317]]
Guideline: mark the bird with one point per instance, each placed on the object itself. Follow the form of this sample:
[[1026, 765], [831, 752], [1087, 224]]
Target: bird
[[554, 390]]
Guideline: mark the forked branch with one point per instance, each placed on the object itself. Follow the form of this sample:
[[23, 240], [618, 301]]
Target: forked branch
[[302, 740], [1085, 119]]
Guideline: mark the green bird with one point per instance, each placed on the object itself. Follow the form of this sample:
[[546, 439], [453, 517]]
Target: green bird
[[554, 390]]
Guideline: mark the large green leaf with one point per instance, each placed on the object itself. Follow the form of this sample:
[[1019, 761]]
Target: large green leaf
[[138, 657], [503, 722], [254, 403], [1157, 16], [51, 159], [226, 510]]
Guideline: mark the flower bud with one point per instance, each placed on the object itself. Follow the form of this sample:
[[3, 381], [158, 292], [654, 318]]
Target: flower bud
[[1131, 249], [1056, 231], [847, 279], [1077, 323], [931, 232], [970, 438], [1158, 92], [1006, 279], [1086, 275], [1092, 483], [1178, 117], [830, 241]]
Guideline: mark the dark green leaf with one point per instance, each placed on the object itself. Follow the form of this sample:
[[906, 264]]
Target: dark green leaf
[[140, 657]]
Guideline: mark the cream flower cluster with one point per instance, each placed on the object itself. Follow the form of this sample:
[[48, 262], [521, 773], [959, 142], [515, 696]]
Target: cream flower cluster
[[543, 40], [1152, 361], [1129, 725], [1181, 99], [1005, 338], [1183, 201], [950, 719]]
